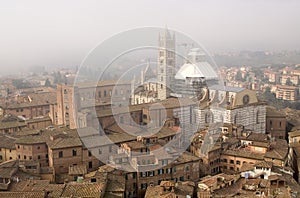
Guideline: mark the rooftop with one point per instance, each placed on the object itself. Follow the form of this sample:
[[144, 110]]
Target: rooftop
[[227, 88]]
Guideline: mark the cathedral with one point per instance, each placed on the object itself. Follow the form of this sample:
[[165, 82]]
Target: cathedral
[[197, 79]]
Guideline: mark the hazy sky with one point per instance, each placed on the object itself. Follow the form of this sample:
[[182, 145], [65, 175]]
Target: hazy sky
[[61, 33]]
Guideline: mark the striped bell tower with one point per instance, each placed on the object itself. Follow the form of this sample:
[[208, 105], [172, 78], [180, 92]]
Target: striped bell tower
[[166, 64]]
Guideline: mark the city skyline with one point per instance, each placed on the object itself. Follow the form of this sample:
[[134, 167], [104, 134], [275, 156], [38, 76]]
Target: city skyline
[[62, 34]]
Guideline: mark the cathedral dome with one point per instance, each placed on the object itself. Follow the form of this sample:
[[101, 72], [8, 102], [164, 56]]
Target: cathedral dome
[[196, 70], [196, 67]]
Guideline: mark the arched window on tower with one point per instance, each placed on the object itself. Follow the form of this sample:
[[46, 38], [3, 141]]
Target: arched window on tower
[[209, 117], [206, 118]]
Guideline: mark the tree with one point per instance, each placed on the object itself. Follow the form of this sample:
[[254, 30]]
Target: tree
[[57, 78], [21, 83], [288, 82], [47, 83], [238, 76]]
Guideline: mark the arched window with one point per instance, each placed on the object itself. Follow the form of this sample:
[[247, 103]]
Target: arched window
[[206, 118], [209, 117], [235, 119]]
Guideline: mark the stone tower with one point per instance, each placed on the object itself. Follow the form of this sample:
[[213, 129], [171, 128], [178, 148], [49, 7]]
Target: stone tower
[[166, 64]]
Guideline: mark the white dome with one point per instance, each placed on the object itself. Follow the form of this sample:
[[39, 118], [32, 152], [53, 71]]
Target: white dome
[[197, 70]]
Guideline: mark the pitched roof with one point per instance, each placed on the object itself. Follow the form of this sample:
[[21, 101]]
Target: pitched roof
[[7, 142], [37, 194], [83, 190]]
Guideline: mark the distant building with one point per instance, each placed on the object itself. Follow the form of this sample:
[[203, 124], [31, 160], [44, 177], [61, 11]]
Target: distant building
[[290, 93], [74, 102], [276, 123], [289, 79]]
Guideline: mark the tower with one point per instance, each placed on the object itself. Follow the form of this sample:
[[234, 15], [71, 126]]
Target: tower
[[166, 64]]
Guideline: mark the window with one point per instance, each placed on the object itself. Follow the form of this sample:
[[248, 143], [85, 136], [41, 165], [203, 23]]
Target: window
[[160, 171], [181, 178], [74, 152], [144, 186], [89, 153], [99, 94], [38, 147], [174, 169], [110, 148], [207, 118], [39, 157], [150, 173], [60, 154], [231, 162], [90, 164], [30, 157], [187, 168], [238, 162], [25, 157], [1, 157], [100, 152], [235, 119], [225, 160], [231, 168], [46, 156], [105, 93]]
